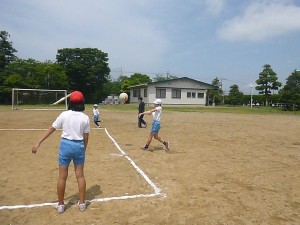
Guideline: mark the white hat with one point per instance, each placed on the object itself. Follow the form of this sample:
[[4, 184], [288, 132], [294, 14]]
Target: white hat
[[157, 101], [95, 105]]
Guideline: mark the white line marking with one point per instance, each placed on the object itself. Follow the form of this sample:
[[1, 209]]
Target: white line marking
[[114, 154], [93, 200], [43, 109], [23, 129], [33, 129], [26, 206], [20, 129], [157, 191]]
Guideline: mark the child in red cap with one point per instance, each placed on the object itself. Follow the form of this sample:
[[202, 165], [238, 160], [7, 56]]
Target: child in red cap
[[74, 140]]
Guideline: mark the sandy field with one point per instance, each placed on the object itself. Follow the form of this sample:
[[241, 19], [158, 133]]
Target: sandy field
[[222, 168]]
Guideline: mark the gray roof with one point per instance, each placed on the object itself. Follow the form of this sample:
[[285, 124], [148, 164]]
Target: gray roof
[[210, 86]]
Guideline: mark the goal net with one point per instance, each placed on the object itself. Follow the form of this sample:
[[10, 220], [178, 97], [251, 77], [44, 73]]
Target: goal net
[[39, 99]]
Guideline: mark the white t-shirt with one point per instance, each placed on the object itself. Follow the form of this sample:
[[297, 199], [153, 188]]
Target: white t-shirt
[[96, 112], [157, 113], [74, 124]]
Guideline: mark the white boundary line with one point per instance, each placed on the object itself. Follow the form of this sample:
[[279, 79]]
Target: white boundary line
[[33, 129], [157, 191]]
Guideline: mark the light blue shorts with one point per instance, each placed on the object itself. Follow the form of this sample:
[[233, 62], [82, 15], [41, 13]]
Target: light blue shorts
[[155, 127], [96, 118], [71, 150]]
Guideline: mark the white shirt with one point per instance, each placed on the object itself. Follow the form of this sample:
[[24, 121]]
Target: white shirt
[[157, 113], [96, 112], [74, 124]]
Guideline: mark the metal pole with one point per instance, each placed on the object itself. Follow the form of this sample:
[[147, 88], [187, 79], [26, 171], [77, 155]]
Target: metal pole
[[12, 99], [222, 91], [66, 100], [251, 95]]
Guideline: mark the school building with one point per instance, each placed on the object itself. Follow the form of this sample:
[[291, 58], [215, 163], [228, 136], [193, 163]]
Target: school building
[[180, 91]]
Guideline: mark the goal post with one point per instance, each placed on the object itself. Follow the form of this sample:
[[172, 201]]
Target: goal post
[[42, 99]]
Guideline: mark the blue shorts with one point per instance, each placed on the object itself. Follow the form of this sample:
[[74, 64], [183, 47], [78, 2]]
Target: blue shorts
[[155, 127], [71, 150], [96, 118]]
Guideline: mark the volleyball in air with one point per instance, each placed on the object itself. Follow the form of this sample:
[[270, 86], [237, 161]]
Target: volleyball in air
[[123, 97]]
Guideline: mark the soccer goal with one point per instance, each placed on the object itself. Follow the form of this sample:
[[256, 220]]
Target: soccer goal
[[39, 99]]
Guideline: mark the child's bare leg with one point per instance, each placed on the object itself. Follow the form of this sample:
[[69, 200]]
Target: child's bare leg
[[166, 143], [61, 184], [158, 138], [81, 182], [149, 139]]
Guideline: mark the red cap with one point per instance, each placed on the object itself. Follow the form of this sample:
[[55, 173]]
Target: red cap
[[76, 96]]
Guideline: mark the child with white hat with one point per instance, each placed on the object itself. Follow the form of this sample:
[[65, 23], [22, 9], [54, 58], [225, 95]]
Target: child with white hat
[[96, 115], [156, 114]]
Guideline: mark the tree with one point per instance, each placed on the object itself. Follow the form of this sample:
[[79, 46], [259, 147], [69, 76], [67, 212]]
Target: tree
[[235, 97], [291, 91], [87, 70], [135, 79], [114, 86], [54, 76], [6, 56], [34, 74], [267, 81], [6, 50], [121, 80], [216, 94], [275, 98], [160, 77]]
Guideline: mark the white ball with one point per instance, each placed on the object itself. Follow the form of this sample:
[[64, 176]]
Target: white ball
[[123, 97]]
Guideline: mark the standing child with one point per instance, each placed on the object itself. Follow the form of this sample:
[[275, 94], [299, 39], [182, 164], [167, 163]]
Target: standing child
[[74, 140], [96, 114], [141, 110], [156, 114]]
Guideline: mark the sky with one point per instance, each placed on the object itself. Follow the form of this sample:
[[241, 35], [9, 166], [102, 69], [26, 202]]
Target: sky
[[201, 39]]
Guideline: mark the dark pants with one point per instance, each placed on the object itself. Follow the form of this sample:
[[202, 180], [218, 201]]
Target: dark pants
[[96, 120], [141, 121]]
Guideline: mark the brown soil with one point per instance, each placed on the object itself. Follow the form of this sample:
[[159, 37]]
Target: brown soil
[[222, 168]]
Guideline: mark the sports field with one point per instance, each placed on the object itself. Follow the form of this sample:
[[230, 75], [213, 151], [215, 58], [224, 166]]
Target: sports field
[[222, 168]]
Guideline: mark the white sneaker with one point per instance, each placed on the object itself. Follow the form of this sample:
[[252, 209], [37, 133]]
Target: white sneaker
[[82, 206], [60, 208]]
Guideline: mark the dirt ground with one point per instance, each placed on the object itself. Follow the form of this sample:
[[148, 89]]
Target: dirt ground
[[222, 168]]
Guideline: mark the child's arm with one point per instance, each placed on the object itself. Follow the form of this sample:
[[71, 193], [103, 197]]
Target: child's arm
[[148, 112], [85, 140], [46, 135]]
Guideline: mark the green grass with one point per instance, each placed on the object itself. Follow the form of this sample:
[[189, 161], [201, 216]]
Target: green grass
[[228, 109], [217, 109], [40, 106], [134, 107]]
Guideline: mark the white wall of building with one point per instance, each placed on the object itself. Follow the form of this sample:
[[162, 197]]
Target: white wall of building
[[192, 92]]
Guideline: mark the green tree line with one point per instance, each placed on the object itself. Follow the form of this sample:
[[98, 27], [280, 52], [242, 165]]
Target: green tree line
[[87, 70], [288, 97]]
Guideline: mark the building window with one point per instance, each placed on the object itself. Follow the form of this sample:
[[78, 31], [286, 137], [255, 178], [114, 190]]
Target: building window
[[200, 95], [176, 93], [160, 93], [145, 92], [137, 93], [191, 95]]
